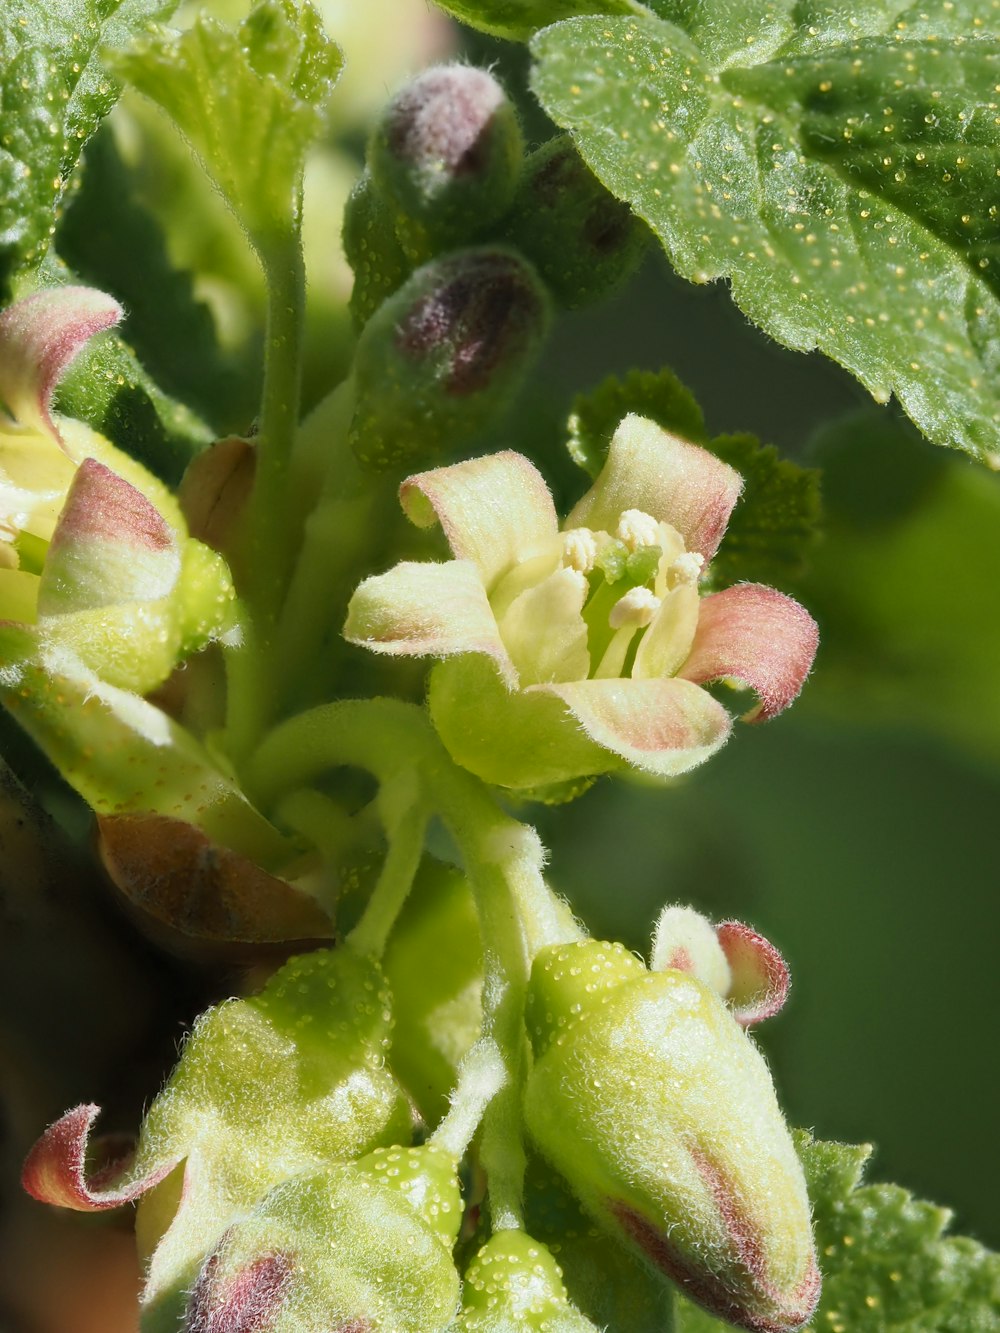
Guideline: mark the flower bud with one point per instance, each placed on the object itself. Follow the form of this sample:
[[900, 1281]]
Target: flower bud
[[446, 157], [426, 1178], [349, 1250], [583, 241], [442, 358], [651, 1101], [269, 1089], [372, 249], [514, 1285]]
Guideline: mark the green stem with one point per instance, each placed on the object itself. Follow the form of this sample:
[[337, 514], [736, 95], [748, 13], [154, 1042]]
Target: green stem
[[402, 860], [266, 548], [480, 1077], [503, 863]]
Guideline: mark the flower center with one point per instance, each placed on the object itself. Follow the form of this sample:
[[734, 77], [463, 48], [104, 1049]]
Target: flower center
[[631, 575]]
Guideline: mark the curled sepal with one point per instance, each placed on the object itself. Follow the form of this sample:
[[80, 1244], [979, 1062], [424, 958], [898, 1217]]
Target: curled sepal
[[687, 941], [744, 968], [758, 638], [660, 1113], [514, 1285], [56, 1169], [760, 979], [336, 1251], [39, 338]]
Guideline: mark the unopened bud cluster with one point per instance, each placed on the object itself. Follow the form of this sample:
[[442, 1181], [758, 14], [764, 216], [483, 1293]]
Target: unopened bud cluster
[[459, 244]]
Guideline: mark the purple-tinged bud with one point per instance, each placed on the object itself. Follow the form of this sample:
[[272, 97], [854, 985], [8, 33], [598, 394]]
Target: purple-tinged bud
[[443, 357], [351, 1249], [245, 1303], [658, 1110], [584, 242], [446, 157]]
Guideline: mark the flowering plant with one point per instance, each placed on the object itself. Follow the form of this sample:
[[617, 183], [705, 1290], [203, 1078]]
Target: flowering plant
[[416, 1090], [596, 639]]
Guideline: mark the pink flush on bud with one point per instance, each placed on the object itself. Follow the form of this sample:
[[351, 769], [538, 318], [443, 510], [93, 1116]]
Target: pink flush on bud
[[783, 1311], [110, 546], [246, 1302], [39, 338]]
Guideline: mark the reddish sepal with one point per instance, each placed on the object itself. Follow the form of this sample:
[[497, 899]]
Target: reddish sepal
[[760, 978]]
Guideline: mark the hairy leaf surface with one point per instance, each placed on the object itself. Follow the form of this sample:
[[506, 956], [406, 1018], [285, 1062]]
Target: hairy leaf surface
[[54, 92], [249, 102], [837, 164]]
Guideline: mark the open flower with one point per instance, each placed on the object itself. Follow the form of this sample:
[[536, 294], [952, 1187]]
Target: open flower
[[94, 551], [575, 651]]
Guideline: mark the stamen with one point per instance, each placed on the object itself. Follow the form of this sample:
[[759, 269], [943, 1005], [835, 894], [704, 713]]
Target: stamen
[[636, 609], [579, 549], [686, 568], [636, 528]]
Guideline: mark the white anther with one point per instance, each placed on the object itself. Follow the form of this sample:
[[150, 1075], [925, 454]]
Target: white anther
[[636, 528], [637, 608], [579, 549], [687, 568]]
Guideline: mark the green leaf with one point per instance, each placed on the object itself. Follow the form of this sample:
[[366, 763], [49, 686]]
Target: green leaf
[[54, 93], [776, 521], [518, 19], [250, 103], [123, 250], [887, 1264], [904, 585], [657, 394], [835, 163]]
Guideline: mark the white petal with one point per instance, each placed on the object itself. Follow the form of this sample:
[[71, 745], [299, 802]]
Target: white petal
[[427, 610], [495, 511], [544, 631], [664, 727], [675, 481]]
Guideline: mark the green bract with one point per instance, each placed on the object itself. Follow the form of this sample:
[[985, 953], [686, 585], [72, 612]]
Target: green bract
[[249, 102], [660, 1113]]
